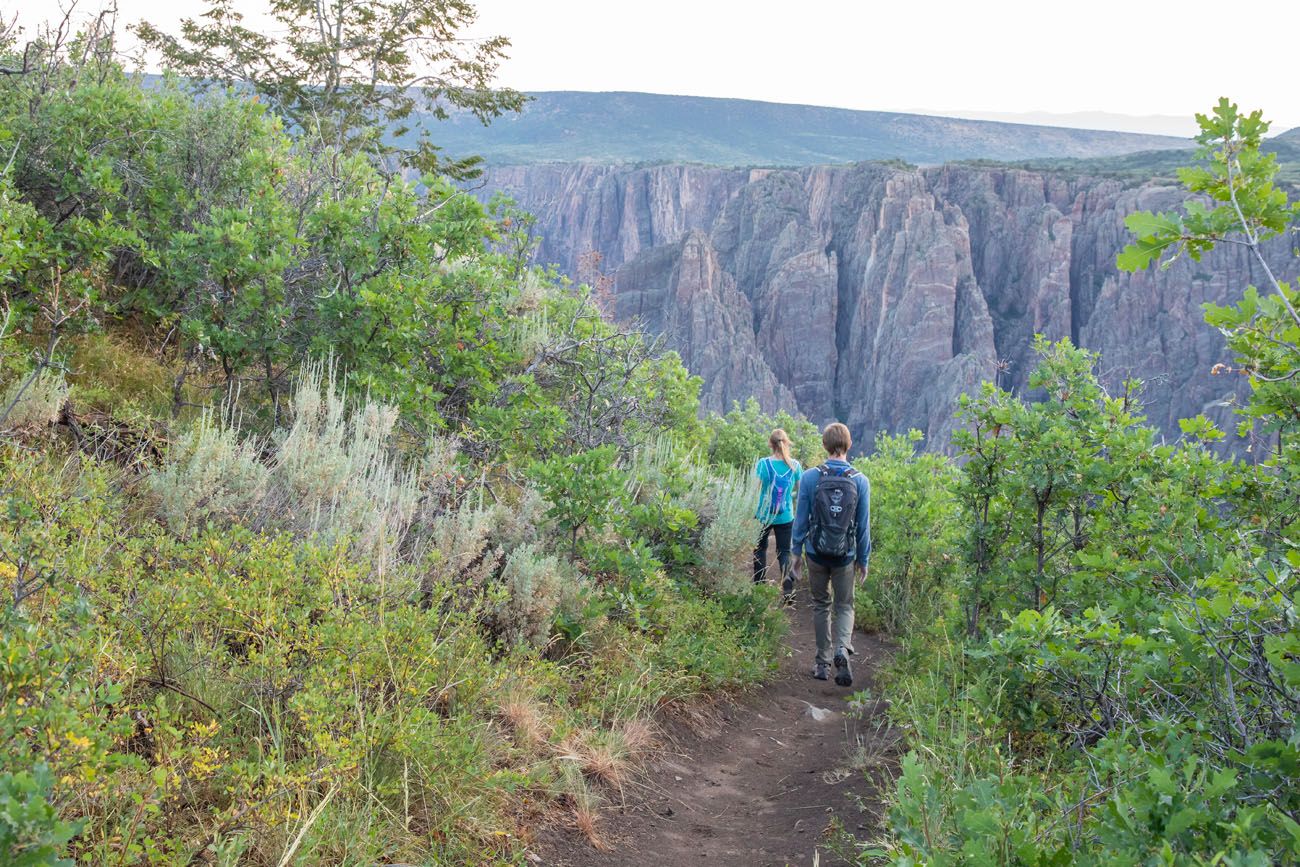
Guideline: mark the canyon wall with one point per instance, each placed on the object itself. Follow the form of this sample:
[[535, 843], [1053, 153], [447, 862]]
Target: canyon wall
[[877, 295]]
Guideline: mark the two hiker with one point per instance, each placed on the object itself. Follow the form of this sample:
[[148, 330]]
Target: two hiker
[[831, 526]]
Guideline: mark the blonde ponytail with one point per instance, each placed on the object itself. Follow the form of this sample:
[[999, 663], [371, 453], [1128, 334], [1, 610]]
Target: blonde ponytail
[[780, 443]]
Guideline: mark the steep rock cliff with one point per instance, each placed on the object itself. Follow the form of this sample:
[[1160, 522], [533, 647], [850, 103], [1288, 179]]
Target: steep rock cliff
[[876, 294]]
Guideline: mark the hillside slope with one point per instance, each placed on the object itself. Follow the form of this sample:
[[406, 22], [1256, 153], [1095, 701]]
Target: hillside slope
[[1164, 164], [643, 127]]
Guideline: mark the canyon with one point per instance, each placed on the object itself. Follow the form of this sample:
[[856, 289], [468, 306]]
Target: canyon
[[878, 293]]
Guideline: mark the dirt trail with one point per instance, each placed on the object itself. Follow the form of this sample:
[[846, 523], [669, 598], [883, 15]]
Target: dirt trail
[[762, 785]]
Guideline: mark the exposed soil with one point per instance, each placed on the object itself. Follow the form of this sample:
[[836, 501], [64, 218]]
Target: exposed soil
[[761, 782]]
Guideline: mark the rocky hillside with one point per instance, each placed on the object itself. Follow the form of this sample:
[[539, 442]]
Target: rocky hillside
[[876, 294], [571, 126]]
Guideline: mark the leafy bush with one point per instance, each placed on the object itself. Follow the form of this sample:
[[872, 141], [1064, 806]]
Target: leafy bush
[[245, 680], [31, 833], [583, 491], [296, 636], [740, 437], [915, 524], [1116, 681]]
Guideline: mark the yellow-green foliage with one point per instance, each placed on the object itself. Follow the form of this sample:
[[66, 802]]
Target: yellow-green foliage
[[317, 631], [112, 375]]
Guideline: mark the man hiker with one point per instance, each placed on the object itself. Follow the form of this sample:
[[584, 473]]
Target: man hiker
[[832, 526]]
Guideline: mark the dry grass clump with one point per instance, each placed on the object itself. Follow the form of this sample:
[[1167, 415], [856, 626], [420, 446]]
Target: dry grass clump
[[583, 804], [525, 720], [640, 736], [584, 819], [610, 756], [606, 762]]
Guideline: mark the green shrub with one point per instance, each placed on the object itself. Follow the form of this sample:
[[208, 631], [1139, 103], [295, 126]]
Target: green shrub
[[584, 491], [740, 438], [31, 833], [317, 629], [915, 531]]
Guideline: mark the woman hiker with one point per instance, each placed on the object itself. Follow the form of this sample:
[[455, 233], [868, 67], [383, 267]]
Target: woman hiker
[[780, 475]]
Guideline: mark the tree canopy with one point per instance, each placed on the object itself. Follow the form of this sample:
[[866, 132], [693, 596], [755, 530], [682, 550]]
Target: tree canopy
[[354, 72]]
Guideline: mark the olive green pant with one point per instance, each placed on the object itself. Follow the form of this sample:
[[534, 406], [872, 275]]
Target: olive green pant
[[823, 583]]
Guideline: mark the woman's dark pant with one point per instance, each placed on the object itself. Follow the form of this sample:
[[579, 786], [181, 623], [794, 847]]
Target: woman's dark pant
[[782, 532]]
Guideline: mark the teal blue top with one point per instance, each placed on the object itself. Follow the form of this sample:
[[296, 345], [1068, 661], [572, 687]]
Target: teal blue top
[[774, 473]]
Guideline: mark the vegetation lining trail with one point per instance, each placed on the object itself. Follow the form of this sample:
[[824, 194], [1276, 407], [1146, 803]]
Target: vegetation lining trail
[[764, 782]]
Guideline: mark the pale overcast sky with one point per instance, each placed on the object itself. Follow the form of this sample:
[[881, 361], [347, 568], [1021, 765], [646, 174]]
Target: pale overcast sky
[[1159, 57]]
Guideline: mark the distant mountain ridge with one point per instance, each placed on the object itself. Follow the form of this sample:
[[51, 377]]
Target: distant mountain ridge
[[629, 128], [1164, 164]]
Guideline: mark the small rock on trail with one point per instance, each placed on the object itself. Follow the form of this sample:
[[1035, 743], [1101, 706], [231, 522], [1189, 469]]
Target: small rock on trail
[[818, 714]]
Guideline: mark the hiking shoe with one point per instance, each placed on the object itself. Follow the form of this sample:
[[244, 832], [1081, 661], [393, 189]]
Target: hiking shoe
[[787, 590], [843, 671], [822, 671]]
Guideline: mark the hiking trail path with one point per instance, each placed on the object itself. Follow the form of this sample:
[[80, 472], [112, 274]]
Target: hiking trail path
[[760, 782]]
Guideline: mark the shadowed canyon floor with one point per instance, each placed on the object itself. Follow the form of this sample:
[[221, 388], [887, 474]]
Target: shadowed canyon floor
[[774, 780]]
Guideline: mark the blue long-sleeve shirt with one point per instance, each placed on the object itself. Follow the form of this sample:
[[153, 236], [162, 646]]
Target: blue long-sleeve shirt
[[803, 511]]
